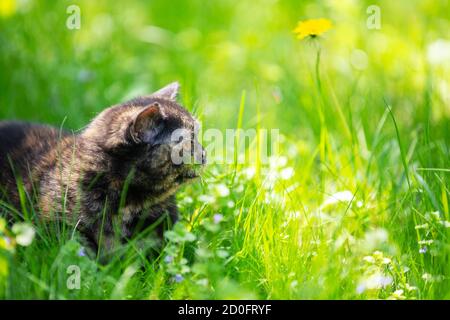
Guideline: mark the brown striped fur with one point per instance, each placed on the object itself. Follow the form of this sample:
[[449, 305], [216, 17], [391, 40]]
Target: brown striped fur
[[83, 176]]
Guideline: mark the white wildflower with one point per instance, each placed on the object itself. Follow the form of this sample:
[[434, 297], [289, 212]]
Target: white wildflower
[[445, 223], [188, 199], [287, 173], [374, 281], [374, 239], [206, 198], [294, 284], [343, 196], [426, 242], [249, 172], [438, 52], [369, 259], [397, 295], [427, 277], [278, 161], [408, 287], [222, 190]]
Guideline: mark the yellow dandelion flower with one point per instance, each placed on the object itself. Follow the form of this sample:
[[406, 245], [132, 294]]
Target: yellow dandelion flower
[[312, 28]]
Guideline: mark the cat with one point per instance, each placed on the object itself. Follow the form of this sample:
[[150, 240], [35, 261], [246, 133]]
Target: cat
[[116, 177]]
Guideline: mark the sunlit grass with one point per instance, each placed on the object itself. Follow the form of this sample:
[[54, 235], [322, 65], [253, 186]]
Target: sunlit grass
[[353, 206]]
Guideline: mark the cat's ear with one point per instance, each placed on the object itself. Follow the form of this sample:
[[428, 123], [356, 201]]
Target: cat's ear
[[168, 92], [146, 124]]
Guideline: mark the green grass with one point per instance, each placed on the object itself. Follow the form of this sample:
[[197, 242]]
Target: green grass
[[365, 133]]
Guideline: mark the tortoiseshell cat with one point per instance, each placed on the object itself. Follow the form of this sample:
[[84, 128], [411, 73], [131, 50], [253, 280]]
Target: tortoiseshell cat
[[83, 176]]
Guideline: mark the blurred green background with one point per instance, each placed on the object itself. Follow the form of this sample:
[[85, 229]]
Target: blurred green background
[[278, 241]]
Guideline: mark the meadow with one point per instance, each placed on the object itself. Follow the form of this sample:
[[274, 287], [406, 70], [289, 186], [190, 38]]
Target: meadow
[[353, 205]]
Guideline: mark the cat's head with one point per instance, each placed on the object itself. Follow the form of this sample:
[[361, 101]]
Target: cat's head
[[153, 136]]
